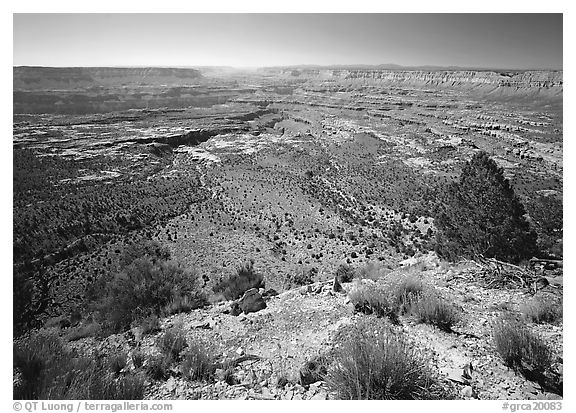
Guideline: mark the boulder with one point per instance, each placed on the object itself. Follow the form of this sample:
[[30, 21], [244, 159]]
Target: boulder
[[251, 301]]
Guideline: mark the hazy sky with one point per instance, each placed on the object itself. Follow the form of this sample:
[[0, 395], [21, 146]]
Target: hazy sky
[[519, 41]]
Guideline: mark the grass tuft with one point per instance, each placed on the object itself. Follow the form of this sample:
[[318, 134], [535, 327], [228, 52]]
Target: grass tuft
[[374, 363], [519, 348]]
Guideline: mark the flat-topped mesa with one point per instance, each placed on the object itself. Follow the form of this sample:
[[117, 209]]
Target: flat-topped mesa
[[496, 83], [540, 79], [47, 78]]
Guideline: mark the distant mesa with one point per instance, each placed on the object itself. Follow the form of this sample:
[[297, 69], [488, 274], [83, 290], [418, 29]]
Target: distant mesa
[[50, 78]]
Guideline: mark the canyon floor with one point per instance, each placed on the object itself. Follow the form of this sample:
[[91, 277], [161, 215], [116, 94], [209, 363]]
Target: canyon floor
[[300, 172]]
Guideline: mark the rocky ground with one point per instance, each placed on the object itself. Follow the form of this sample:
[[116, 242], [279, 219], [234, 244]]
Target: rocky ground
[[301, 324]]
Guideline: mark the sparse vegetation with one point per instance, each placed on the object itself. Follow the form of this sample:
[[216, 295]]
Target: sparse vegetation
[[541, 310], [172, 343], [91, 329], [519, 348], [157, 367], [303, 277], [149, 325], [407, 292], [372, 271], [375, 363], [143, 289], [371, 299], [46, 369], [197, 364], [430, 308]]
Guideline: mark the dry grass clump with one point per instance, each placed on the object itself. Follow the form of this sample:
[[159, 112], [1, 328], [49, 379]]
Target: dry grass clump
[[372, 362], [373, 299], [519, 347], [430, 308], [157, 367], [542, 310], [407, 292], [198, 363], [172, 343]]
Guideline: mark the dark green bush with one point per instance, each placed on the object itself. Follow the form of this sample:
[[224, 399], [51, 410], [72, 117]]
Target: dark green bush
[[244, 279], [138, 358], [345, 273], [117, 362], [144, 288], [481, 215]]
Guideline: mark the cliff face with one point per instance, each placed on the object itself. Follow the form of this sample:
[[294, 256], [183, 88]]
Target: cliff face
[[503, 84], [47, 78], [540, 79]]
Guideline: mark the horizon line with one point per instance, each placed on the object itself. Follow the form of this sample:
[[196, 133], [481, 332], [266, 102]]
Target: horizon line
[[383, 66]]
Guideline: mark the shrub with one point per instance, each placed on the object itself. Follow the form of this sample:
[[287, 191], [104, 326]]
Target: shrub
[[48, 371], [91, 329], [244, 279], [298, 279], [184, 304], [39, 359], [345, 273], [540, 310], [149, 325], [370, 299], [313, 370], [431, 309], [519, 348], [149, 248], [197, 363], [142, 289], [372, 271], [138, 358], [407, 292], [157, 367], [90, 380], [481, 214], [374, 363], [172, 342], [117, 362]]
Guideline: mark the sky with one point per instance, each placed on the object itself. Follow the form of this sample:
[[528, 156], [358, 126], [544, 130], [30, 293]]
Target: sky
[[503, 41]]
